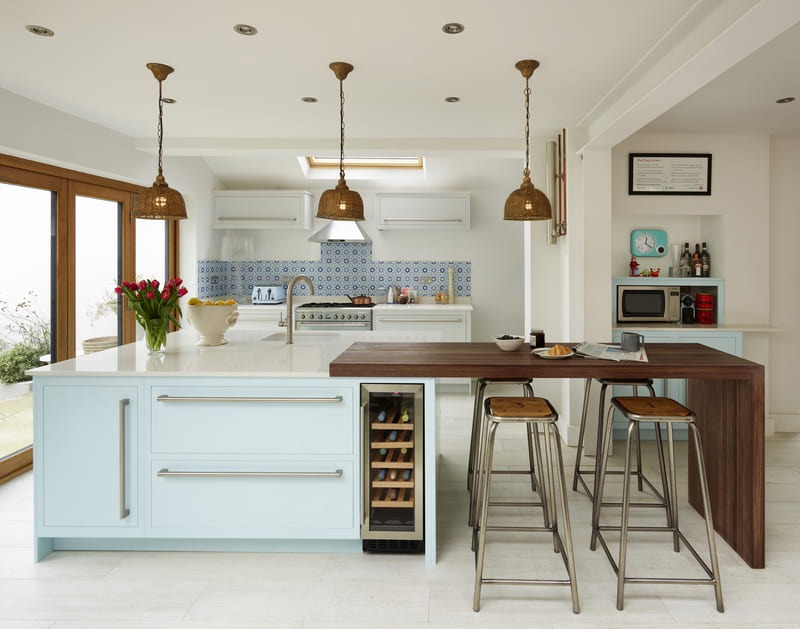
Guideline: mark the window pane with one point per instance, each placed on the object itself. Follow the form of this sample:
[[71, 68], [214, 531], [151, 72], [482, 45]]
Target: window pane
[[96, 269], [151, 251], [25, 263]]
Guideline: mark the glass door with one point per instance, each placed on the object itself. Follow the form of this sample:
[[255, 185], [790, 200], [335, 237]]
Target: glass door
[[26, 310]]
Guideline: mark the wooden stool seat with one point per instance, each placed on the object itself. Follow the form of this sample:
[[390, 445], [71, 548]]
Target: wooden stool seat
[[651, 407], [520, 408]]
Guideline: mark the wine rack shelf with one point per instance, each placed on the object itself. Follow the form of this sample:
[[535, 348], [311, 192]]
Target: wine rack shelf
[[392, 482], [403, 439], [382, 497]]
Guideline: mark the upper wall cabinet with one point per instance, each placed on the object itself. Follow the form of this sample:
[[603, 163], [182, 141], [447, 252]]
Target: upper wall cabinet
[[262, 209], [403, 210]]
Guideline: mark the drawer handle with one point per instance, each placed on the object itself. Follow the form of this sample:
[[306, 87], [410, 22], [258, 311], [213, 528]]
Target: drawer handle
[[257, 218], [124, 512], [164, 472], [256, 400], [410, 320]]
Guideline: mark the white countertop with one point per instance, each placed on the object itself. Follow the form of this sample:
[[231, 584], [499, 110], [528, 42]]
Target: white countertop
[[246, 354]]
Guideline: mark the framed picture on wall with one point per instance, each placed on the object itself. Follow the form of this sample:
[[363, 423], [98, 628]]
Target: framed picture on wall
[[669, 173]]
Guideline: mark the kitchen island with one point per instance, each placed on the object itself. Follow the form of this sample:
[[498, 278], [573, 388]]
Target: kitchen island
[[248, 445], [726, 392]]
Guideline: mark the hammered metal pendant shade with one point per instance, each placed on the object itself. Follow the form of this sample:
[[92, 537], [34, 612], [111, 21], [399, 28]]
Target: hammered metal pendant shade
[[341, 203], [527, 203], [160, 201]]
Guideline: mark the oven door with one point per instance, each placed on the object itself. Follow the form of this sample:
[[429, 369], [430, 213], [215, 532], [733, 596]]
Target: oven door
[[332, 325]]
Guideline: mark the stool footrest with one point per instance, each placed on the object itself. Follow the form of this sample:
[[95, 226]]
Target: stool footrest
[[525, 529], [526, 581], [514, 503]]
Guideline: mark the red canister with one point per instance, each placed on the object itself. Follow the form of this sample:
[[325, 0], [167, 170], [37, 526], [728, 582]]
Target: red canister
[[704, 315], [704, 300]]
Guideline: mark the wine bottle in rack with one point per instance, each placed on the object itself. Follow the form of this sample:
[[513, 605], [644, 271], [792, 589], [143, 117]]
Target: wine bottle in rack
[[403, 450], [382, 416], [393, 475], [382, 474], [392, 494], [404, 417], [407, 475], [383, 452], [393, 436]]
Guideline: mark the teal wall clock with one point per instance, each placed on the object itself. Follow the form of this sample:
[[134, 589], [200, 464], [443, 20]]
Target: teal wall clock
[[648, 242]]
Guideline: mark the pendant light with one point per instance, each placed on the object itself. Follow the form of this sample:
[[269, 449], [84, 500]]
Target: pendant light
[[527, 203], [160, 201], [341, 203]]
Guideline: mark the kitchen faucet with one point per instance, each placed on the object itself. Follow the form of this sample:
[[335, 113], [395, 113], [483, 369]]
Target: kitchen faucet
[[289, 290]]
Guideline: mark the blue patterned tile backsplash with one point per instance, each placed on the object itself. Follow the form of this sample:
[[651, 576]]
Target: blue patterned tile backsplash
[[343, 268]]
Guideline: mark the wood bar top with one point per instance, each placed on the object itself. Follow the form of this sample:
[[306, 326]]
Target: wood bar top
[[486, 360], [725, 392]]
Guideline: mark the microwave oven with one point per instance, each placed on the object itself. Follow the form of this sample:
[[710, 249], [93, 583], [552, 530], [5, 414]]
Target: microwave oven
[[655, 304]]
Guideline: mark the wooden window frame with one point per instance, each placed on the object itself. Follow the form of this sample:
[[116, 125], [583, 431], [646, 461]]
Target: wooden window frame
[[66, 184]]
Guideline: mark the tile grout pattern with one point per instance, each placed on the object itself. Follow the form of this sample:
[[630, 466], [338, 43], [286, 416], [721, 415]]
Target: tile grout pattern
[[342, 268], [174, 590]]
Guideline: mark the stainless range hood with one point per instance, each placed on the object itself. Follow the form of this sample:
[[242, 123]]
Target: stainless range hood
[[340, 231]]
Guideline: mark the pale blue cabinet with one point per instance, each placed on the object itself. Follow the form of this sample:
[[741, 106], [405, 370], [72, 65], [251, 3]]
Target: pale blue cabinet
[[87, 445], [256, 462]]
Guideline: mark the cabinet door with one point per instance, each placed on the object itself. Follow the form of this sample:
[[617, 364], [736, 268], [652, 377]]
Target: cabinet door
[[453, 327], [88, 446], [422, 210], [262, 209]]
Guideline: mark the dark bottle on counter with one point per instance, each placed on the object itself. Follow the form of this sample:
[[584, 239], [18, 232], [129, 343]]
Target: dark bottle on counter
[[686, 261], [697, 263], [705, 260]]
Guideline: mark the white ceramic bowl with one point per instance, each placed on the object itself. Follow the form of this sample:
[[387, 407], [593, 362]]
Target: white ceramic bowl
[[211, 322], [509, 345]]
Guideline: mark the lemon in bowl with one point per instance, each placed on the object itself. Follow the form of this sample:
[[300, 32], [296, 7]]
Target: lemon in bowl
[[212, 319], [509, 342]]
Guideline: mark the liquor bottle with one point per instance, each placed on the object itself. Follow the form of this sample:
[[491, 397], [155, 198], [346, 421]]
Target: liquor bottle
[[697, 263], [705, 259], [686, 261], [382, 475]]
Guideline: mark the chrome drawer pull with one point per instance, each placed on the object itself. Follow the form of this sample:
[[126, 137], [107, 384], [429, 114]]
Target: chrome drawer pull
[[124, 512], [164, 472], [411, 320], [257, 400], [222, 219]]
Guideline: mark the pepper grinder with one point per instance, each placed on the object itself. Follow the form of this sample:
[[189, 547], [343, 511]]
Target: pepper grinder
[[451, 294]]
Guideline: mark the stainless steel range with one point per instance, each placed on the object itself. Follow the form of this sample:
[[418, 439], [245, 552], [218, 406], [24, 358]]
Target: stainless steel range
[[333, 316]]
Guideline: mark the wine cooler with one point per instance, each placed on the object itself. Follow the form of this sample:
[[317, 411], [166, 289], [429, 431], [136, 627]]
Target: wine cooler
[[392, 497]]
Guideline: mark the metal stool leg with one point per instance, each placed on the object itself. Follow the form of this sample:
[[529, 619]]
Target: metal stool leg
[[487, 450], [576, 475], [477, 413], [712, 544], [626, 499]]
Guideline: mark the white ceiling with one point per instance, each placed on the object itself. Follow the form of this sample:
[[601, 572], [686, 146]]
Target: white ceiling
[[609, 67]]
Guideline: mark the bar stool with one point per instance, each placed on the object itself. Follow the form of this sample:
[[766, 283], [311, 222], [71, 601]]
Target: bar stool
[[579, 473], [475, 439], [533, 412], [667, 411]]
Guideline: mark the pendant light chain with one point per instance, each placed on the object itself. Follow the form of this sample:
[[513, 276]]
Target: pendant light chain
[[160, 127], [341, 123], [527, 171]]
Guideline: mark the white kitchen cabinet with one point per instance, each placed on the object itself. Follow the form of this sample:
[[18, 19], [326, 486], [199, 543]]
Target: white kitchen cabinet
[[262, 209], [256, 462], [422, 322], [404, 210], [87, 439], [265, 318]]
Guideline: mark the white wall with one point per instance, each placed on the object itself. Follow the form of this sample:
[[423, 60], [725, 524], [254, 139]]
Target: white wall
[[784, 304]]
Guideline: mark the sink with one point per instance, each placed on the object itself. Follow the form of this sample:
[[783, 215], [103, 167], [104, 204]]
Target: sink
[[303, 337]]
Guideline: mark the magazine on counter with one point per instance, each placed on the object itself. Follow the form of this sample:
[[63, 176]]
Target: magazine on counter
[[610, 352]]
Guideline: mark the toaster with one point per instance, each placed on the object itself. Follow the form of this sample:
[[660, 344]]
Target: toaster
[[268, 295]]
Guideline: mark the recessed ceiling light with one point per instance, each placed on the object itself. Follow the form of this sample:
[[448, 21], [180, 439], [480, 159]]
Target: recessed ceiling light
[[245, 29], [168, 101], [42, 31], [453, 28], [315, 161], [308, 99], [782, 101], [452, 99]]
